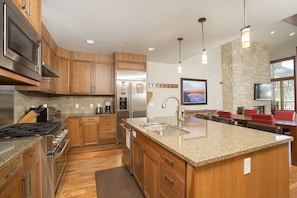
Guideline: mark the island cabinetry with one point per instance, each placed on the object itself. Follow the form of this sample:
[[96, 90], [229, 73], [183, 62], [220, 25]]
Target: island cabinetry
[[226, 179], [172, 175], [107, 129], [90, 130], [11, 184], [129, 61], [31, 9], [32, 172], [146, 165], [75, 133]]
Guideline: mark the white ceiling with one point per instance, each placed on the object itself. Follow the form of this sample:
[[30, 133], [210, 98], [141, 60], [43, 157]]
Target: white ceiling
[[134, 25]]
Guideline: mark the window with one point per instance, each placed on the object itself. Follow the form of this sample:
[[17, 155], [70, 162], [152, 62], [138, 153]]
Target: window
[[283, 84]]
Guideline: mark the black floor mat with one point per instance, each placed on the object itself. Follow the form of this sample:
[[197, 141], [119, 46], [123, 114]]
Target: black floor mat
[[115, 183]]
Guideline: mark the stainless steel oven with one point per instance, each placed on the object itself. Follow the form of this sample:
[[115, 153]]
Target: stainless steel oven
[[20, 43]]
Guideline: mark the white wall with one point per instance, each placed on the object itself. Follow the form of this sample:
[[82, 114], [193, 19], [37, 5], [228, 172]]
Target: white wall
[[286, 50], [192, 68]]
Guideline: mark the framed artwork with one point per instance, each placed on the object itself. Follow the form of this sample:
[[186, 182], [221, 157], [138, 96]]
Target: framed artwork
[[193, 91]]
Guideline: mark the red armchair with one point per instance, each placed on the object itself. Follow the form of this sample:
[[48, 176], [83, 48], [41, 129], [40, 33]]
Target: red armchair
[[225, 114], [284, 115]]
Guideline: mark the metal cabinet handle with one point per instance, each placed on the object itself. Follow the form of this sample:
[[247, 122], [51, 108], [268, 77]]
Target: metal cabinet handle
[[168, 160], [26, 194], [168, 178], [24, 4], [11, 173]]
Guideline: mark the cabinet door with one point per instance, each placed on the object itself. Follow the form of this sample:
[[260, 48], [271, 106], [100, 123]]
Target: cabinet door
[[138, 163], [90, 131], [32, 172], [11, 184], [62, 83], [31, 9], [151, 178], [75, 133], [103, 79], [81, 81]]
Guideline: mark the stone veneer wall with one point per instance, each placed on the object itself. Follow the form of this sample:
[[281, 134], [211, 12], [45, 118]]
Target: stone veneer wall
[[23, 102], [241, 68]]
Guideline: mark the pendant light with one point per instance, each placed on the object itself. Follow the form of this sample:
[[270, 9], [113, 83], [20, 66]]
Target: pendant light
[[245, 31], [204, 53], [179, 67]]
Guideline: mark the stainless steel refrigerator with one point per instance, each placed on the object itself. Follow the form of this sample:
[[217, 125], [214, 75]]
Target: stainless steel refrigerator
[[130, 97]]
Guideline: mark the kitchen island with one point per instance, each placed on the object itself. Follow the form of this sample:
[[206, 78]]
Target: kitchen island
[[220, 160]]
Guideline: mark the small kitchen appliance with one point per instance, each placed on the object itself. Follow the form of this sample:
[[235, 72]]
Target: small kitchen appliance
[[108, 107]]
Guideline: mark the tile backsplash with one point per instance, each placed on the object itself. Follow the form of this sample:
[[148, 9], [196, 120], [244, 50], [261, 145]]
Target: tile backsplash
[[66, 104]]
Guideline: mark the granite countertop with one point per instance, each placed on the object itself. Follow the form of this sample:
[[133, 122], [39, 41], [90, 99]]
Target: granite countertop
[[209, 141], [63, 117], [12, 148]]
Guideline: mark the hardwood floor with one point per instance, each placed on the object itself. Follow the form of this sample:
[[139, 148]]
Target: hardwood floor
[[79, 181]]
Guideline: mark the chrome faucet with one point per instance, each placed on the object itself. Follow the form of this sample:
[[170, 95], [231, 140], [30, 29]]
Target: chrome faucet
[[179, 112]]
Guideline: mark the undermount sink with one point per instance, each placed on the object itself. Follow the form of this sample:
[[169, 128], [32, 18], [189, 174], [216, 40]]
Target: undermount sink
[[164, 129]]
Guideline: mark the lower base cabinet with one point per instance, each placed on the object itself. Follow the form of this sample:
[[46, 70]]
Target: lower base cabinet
[[157, 172], [92, 130], [22, 177]]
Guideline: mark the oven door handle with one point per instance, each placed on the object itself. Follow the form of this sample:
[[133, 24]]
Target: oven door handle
[[59, 154]]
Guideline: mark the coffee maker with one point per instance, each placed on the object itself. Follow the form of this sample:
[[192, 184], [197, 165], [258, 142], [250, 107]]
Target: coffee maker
[[107, 108]]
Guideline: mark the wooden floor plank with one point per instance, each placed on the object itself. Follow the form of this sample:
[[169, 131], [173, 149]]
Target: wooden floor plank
[[79, 181]]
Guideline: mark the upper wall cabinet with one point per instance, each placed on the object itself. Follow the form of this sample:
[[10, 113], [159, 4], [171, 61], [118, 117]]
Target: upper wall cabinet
[[32, 11], [62, 67], [128, 61], [91, 74]]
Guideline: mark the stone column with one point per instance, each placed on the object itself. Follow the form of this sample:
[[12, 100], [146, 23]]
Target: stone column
[[241, 69]]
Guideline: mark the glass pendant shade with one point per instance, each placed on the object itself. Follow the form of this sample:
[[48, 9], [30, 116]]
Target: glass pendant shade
[[204, 56], [245, 37], [179, 68]]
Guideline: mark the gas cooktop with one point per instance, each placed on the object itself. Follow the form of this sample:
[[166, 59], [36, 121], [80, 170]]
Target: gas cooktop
[[29, 129]]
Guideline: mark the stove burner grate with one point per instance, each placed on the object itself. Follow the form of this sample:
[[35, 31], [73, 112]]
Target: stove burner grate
[[29, 129]]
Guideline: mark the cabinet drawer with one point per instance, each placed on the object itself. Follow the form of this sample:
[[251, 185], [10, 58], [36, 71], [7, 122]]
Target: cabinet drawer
[[107, 118], [171, 185], [12, 171], [89, 119], [32, 155], [173, 162]]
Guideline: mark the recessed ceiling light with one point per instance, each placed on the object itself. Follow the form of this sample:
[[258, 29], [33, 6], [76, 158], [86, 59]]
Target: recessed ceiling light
[[292, 34], [90, 41], [151, 49], [272, 32]]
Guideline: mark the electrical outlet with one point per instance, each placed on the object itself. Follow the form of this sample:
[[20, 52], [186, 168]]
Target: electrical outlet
[[247, 166], [91, 105], [76, 106]]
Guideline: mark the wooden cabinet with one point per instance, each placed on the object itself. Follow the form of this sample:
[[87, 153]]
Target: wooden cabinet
[[32, 172], [22, 176], [104, 78], [93, 130], [172, 175], [138, 152], [31, 9], [75, 132], [11, 184], [158, 172], [90, 130], [62, 67], [80, 77], [146, 165], [107, 129], [128, 61], [88, 77]]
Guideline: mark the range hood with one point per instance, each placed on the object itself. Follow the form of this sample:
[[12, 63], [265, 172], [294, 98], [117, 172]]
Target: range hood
[[47, 71]]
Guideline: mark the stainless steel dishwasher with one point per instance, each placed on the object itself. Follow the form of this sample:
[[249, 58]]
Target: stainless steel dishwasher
[[127, 146]]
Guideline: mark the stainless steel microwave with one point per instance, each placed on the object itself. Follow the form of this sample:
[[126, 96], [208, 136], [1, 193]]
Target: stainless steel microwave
[[20, 43]]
